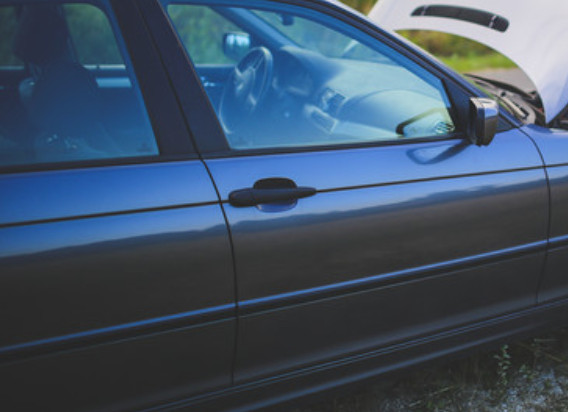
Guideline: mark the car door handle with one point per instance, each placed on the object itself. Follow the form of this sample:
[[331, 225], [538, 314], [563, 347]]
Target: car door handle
[[273, 190]]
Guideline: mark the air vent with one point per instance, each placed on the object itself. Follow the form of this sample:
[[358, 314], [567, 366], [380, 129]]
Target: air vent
[[442, 128], [483, 18], [331, 101], [324, 121], [335, 103]]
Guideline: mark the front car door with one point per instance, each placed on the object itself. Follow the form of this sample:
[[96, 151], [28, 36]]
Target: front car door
[[361, 216], [116, 280]]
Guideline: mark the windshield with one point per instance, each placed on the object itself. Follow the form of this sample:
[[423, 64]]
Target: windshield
[[521, 105], [316, 37]]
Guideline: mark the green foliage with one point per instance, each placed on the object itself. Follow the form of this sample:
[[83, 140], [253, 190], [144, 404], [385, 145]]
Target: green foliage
[[442, 44], [458, 52], [7, 31], [461, 54], [309, 34], [364, 6], [527, 375], [475, 63], [503, 358], [90, 31], [92, 36], [200, 29]]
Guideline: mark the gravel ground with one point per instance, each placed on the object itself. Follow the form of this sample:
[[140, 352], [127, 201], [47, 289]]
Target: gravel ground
[[524, 376]]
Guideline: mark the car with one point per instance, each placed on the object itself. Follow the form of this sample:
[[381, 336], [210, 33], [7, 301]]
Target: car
[[231, 205]]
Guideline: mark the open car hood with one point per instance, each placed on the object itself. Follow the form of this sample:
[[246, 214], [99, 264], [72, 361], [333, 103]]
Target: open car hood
[[531, 33]]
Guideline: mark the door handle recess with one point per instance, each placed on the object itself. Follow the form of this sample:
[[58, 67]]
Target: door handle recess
[[274, 190]]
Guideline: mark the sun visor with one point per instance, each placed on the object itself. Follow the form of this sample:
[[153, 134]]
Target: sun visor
[[530, 33]]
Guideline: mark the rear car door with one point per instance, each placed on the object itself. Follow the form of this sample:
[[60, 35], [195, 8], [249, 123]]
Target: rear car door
[[116, 276], [360, 213]]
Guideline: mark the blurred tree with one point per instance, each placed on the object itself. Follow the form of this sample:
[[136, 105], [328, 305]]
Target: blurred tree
[[443, 44], [364, 6], [95, 44], [7, 31], [92, 35], [460, 53]]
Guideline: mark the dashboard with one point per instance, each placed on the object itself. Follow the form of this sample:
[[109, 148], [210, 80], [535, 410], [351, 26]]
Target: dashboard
[[316, 100]]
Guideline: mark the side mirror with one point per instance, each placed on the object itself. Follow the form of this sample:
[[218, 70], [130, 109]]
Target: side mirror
[[483, 120], [236, 45]]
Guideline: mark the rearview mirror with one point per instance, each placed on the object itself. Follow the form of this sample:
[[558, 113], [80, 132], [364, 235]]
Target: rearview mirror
[[483, 120], [236, 45]]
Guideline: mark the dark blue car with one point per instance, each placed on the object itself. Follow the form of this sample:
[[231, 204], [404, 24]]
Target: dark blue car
[[232, 204]]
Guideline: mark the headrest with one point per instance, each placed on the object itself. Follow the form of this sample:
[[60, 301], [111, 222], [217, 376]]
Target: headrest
[[41, 35]]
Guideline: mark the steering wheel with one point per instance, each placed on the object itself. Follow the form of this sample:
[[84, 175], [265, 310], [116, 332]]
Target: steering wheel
[[246, 88]]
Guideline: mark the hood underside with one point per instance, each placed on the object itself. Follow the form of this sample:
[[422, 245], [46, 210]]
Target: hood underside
[[530, 33]]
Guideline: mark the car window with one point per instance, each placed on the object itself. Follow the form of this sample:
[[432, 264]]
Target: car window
[[328, 42], [67, 92], [199, 28], [7, 31], [91, 35], [304, 79]]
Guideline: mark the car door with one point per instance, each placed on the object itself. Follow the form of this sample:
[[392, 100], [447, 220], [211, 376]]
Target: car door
[[552, 143], [116, 278], [361, 215]]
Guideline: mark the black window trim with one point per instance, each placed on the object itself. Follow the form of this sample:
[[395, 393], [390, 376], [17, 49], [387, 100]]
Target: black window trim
[[157, 90], [93, 163], [191, 96]]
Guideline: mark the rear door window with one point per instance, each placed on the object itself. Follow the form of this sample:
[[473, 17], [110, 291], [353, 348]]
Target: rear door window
[[8, 26], [68, 92]]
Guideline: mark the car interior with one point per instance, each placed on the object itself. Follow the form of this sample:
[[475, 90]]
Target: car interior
[[287, 91], [52, 107]]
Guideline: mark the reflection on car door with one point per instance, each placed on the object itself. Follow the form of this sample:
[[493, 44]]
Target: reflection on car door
[[132, 296], [116, 275], [397, 236], [399, 242]]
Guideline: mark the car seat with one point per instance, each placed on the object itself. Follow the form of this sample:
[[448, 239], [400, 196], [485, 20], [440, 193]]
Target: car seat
[[62, 96]]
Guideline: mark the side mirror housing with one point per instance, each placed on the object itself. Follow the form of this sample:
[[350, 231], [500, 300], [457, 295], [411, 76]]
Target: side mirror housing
[[236, 45], [483, 120]]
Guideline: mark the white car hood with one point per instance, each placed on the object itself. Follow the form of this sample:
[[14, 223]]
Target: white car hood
[[531, 33]]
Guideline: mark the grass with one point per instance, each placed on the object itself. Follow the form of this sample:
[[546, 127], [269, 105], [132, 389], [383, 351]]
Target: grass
[[529, 375]]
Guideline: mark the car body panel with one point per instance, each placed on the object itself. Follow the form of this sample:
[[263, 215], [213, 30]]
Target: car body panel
[[291, 338], [124, 189], [380, 165], [132, 373], [553, 144], [139, 286], [155, 255], [318, 273], [350, 373], [531, 35], [97, 252], [116, 274]]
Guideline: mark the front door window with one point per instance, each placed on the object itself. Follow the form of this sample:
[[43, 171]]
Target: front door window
[[291, 80]]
